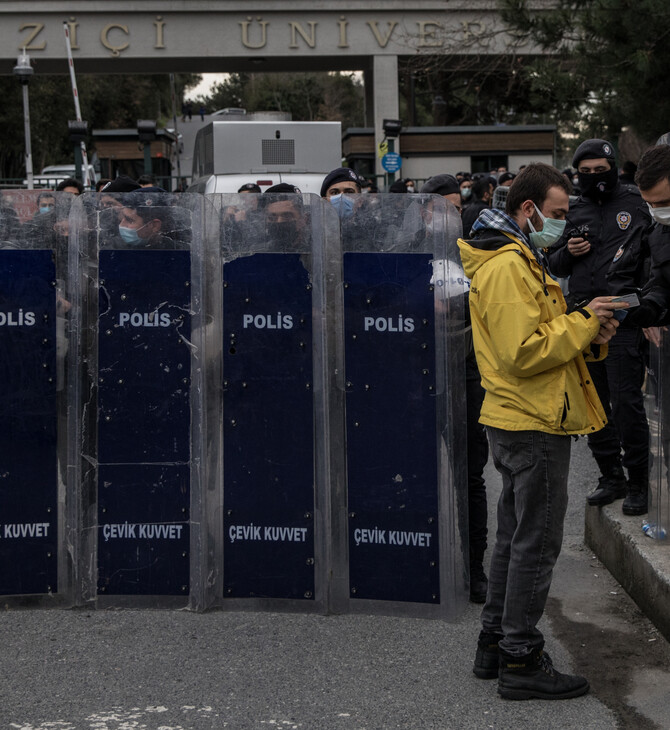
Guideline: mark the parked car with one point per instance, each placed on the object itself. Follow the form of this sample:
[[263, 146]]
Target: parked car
[[53, 174]]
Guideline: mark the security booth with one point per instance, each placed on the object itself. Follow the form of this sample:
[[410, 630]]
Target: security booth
[[657, 404], [267, 449], [136, 403], [400, 531], [35, 308]]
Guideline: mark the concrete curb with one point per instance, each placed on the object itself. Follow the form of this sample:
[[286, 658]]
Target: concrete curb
[[641, 565]]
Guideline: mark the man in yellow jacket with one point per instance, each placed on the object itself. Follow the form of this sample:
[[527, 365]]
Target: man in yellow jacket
[[531, 356]]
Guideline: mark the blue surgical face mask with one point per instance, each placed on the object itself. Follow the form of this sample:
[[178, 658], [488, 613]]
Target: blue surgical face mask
[[46, 209], [552, 230], [343, 204], [130, 235], [465, 193]]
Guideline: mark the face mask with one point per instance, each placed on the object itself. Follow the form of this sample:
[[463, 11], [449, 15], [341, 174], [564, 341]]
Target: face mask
[[598, 185], [45, 210], [410, 188], [130, 235], [284, 233], [466, 193], [343, 204], [552, 230], [108, 219], [660, 215]]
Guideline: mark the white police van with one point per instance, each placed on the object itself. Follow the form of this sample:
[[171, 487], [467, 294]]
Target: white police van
[[265, 149]]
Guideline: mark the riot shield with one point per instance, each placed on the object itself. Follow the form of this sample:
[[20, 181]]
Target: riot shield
[[272, 464], [34, 312], [657, 404], [137, 259], [402, 374]]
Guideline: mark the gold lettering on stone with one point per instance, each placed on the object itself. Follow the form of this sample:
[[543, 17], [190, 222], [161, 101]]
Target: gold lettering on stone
[[382, 40], [245, 33], [343, 23], [159, 24], [73, 25], [297, 29], [472, 30], [428, 37], [104, 38], [28, 45]]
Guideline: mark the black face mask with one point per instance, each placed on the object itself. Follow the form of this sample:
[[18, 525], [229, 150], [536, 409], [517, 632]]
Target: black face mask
[[598, 185], [109, 219], [284, 233]]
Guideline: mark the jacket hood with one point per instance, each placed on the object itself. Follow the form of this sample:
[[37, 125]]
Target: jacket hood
[[494, 233]]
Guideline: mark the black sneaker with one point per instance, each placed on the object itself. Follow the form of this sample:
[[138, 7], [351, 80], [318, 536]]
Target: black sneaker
[[636, 500], [635, 504], [534, 677], [610, 487], [487, 658]]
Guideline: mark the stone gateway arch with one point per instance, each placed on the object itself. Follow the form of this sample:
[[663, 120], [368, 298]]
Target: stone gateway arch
[[209, 36]]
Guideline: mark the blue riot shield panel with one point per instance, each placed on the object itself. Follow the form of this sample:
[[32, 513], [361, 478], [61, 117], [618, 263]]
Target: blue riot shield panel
[[391, 442], [402, 350], [28, 423], [33, 307], [140, 301], [143, 422], [270, 293]]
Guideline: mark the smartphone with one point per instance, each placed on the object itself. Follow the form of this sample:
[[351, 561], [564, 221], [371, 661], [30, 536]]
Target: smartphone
[[632, 299]]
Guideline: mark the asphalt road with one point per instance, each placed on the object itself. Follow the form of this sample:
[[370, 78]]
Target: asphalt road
[[173, 670]]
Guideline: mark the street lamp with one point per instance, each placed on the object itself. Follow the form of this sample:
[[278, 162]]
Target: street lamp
[[23, 71]]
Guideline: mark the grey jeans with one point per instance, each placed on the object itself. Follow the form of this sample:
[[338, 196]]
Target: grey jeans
[[531, 511]]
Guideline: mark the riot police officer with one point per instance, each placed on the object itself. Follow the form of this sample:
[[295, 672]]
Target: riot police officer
[[607, 223]]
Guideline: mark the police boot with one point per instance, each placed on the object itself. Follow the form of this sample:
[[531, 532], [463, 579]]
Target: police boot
[[637, 493], [611, 486], [479, 583], [487, 657], [533, 676]]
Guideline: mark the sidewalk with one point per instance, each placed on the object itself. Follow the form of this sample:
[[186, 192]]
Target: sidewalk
[[640, 564]]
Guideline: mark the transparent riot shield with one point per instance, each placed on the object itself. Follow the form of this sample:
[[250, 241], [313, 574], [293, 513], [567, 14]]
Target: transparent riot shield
[[401, 370], [137, 259], [657, 403], [272, 463], [34, 312]]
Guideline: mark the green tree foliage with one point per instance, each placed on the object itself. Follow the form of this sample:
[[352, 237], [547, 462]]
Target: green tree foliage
[[307, 96], [478, 90], [107, 102], [609, 64]]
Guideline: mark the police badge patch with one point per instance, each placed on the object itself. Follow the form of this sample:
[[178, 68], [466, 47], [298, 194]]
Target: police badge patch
[[618, 254], [623, 219]]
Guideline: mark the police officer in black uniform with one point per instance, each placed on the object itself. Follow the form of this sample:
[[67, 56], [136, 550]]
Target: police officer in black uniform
[[606, 248]]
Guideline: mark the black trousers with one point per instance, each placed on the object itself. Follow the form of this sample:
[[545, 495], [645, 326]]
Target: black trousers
[[478, 454], [618, 380]]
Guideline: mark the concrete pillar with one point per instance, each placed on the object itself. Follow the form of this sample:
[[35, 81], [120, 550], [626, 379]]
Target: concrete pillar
[[385, 102], [369, 99]]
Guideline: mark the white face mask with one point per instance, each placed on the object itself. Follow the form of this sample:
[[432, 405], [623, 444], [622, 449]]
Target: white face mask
[[660, 215]]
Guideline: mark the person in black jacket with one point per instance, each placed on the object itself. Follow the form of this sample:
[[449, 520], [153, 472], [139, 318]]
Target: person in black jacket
[[482, 194], [606, 248]]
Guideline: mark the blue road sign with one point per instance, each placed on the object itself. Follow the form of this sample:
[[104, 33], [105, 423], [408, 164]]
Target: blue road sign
[[391, 162]]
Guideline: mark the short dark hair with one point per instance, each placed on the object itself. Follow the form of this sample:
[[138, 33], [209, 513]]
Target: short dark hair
[[481, 186], [653, 167], [533, 183], [70, 182]]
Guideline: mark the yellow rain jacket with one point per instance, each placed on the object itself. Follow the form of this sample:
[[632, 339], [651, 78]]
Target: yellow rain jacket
[[530, 353]]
